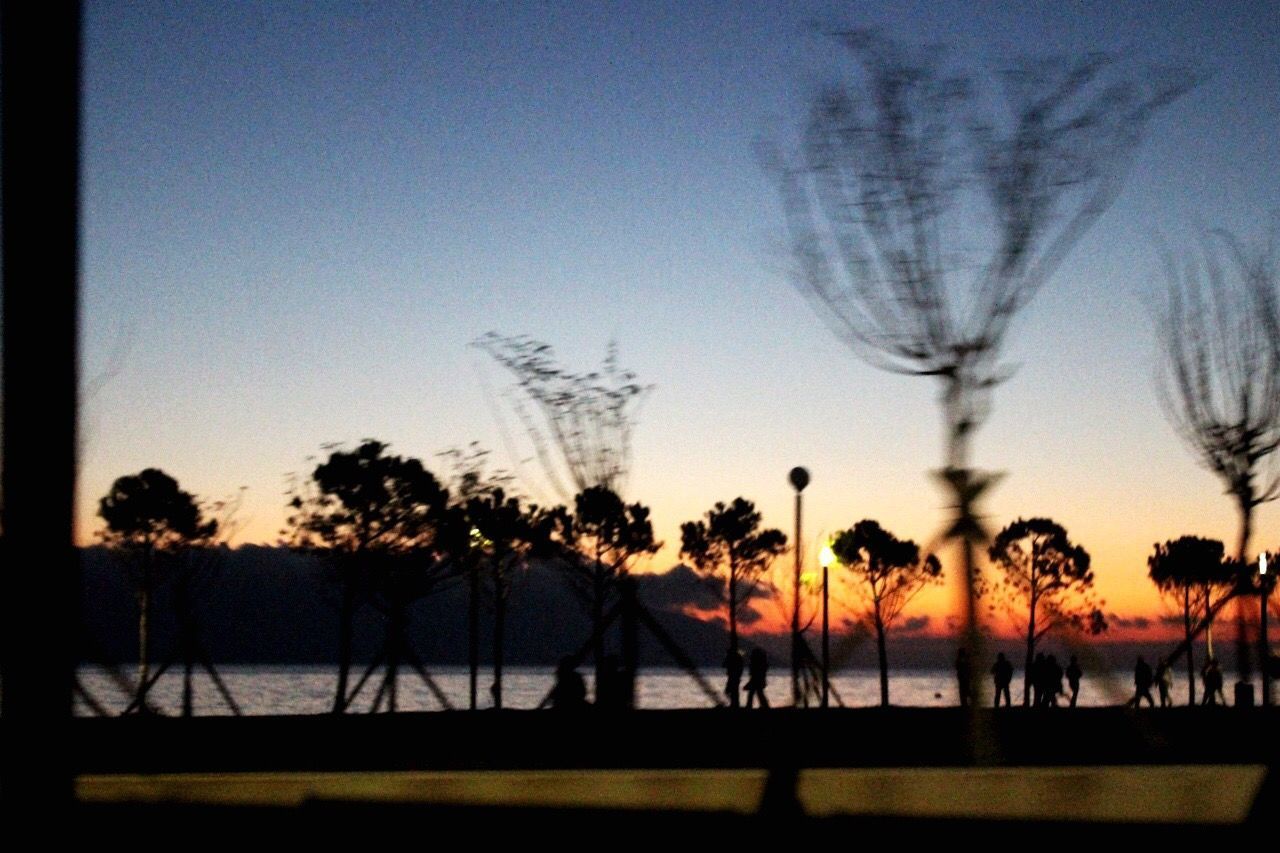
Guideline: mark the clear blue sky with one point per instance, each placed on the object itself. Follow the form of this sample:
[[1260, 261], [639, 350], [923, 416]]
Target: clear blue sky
[[297, 215]]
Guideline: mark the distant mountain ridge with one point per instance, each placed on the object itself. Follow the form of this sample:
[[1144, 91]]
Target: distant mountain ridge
[[264, 604]]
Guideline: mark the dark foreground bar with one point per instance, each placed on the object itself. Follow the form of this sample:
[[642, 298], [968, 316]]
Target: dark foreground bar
[[869, 737]]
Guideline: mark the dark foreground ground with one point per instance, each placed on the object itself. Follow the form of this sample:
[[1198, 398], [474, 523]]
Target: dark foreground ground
[[511, 740], [1185, 774]]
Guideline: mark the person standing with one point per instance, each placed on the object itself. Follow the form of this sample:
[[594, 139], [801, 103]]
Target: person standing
[[1142, 678], [964, 680], [570, 692], [1211, 675], [733, 671], [758, 672], [1052, 681], [1037, 678], [1073, 679], [1164, 682], [1002, 674]]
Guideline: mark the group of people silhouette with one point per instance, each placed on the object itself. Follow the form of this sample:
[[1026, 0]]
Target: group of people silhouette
[[1162, 678], [757, 677], [616, 690], [1045, 681]]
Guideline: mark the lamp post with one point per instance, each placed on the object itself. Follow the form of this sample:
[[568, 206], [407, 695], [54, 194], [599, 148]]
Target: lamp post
[[1264, 593], [799, 478], [825, 558]]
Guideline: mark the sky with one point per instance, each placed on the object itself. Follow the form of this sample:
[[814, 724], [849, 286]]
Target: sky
[[298, 216]]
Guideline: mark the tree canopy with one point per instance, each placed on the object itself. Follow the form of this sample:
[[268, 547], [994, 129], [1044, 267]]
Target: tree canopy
[[1047, 577], [149, 510], [730, 546]]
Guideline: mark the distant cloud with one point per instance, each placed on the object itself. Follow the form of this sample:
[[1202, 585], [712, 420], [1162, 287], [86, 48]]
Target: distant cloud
[[913, 624], [680, 590], [1140, 623]]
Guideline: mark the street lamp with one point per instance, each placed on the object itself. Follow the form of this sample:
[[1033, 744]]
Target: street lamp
[[799, 479], [825, 558]]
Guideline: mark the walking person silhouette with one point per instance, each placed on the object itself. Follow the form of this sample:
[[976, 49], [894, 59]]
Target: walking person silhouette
[[733, 671], [758, 672], [1142, 679], [1002, 674], [1073, 679], [1052, 681], [1211, 675], [1164, 682]]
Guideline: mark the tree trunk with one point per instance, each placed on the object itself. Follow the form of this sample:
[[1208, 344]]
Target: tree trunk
[[396, 628], [499, 628], [883, 654], [1191, 653], [1246, 528], [473, 626], [1031, 644], [1208, 616], [597, 620], [144, 618], [1244, 664], [733, 610], [186, 640], [345, 628]]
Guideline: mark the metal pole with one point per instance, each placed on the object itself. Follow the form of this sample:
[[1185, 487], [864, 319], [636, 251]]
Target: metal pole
[[1266, 647], [826, 642], [795, 616], [799, 478]]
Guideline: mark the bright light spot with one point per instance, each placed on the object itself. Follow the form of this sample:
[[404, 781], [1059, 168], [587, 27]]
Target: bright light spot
[[826, 556], [1262, 563]]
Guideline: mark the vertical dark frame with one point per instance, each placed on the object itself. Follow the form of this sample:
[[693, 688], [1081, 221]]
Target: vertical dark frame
[[39, 575]]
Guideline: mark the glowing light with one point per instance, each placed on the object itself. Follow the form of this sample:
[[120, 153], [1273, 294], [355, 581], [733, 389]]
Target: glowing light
[[1262, 563], [826, 556]]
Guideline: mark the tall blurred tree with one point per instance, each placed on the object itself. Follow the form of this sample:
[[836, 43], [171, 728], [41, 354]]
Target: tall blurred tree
[[1195, 573], [1219, 332], [880, 204], [1045, 582], [730, 547], [150, 522], [1218, 327], [385, 523], [888, 573], [580, 424]]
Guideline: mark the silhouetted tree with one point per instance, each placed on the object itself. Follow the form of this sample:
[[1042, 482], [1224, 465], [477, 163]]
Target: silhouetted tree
[[1044, 578], [580, 423], [888, 573], [731, 547], [505, 535], [150, 521], [472, 479], [604, 535], [1219, 331], [386, 525], [879, 204], [1194, 572]]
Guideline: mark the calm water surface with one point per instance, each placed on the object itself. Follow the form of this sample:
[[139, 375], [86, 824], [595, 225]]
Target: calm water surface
[[309, 689]]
